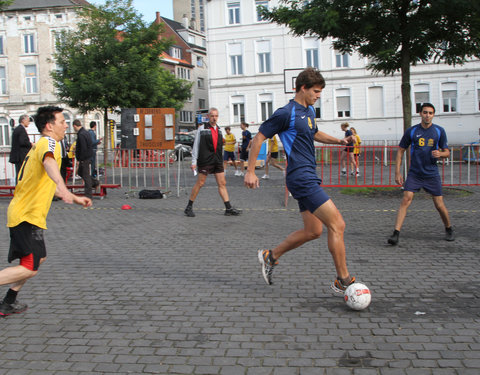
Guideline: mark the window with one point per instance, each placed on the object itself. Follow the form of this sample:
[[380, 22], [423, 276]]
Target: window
[[200, 61], [29, 43], [259, 4], [2, 49], [70, 131], [183, 73], [202, 104], [266, 106], [263, 50], [449, 97], [343, 102], [186, 116], [478, 95], [318, 108], [58, 39], [236, 60], [375, 101], [3, 81], [201, 83], [4, 132], [31, 79], [311, 52], [341, 60], [238, 108], [422, 95], [175, 52], [233, 12]]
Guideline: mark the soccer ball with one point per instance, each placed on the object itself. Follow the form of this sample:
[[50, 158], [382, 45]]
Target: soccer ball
[[357, 296]]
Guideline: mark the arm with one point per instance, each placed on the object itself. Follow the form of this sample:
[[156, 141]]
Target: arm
[[329, 140], [398, 165], [195, 148], [442, 153], [251, 180], [51, 167]]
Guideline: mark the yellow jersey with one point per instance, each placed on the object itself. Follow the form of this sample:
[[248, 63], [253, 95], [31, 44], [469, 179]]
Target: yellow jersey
[[229, 142], [35, 189], [356, 146], [273, 144]]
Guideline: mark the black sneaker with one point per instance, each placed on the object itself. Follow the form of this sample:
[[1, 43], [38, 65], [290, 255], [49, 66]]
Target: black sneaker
[[268, 263], [14, 308], [339, 287], [232, 212], [189, 211], [393, 239], [449, 236]]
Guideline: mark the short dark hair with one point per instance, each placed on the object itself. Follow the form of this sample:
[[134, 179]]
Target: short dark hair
[[429, 105], [77, 122], [244, 123], [309, 77], [92, 124], [46, 115], [227, 128]]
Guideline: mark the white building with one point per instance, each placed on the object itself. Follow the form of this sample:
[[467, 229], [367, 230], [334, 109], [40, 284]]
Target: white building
[[250, 74], [28, 32]]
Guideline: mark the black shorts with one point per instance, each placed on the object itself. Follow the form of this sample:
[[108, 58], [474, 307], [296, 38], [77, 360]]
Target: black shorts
[[274, 155], [26, 239], [348, 149], [244, 154], [211, 169]]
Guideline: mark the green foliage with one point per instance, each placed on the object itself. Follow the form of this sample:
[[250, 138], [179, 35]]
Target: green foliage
[[113, 60], [5, 3], [392, 34]]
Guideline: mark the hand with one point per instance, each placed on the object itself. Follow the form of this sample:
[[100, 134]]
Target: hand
[[251, 180], [436, 154], [344, 141], [82, 201], [193, 167], [399, 178]]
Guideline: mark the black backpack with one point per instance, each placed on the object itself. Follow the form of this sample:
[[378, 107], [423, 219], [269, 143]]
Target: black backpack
[[150, 194]]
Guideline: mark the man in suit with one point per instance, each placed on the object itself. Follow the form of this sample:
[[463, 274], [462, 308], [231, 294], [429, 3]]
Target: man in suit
[[20, 144], [83, 153]]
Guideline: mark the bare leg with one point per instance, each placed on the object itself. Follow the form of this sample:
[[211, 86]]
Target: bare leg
[[442, 210], [222, 186], [402, 211], [198, 185]]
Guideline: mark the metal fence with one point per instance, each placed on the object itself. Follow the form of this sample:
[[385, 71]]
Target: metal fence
[[170, 171]]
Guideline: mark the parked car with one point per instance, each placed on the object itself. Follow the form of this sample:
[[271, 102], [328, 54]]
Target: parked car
[[183, 146], [184, 139]]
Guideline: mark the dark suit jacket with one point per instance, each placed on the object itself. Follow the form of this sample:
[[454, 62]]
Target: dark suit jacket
[[20, 144], [84, 148]]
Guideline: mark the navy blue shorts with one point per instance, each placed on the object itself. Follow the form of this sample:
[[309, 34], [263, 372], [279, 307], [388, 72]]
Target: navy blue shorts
[[228, 155], [432, 185], [315, 199]]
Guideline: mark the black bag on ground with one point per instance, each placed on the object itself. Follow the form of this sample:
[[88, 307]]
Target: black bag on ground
[[150, 194]]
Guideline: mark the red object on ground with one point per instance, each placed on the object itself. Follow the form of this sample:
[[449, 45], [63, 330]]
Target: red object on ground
[[126, 207]]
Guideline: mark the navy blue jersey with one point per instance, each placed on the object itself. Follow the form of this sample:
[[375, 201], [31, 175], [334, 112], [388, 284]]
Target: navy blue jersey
[[246, 138], [295, 125], [348, 133], [423, 142]]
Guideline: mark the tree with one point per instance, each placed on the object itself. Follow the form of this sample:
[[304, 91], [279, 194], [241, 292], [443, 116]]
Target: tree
[[113, 60], [5, 3], [392, 34]]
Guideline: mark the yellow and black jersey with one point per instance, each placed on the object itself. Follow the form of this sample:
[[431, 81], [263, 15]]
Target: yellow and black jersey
[[35, 189]]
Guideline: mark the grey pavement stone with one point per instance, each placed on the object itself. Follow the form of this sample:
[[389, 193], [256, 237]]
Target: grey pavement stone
[[152, 291]]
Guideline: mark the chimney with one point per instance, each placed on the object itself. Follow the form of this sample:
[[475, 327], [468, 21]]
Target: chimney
[[185, 21], [158, 19]]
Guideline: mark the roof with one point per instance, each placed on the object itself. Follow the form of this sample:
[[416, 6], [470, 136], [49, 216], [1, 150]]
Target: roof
[[37, 4], [177, 27]]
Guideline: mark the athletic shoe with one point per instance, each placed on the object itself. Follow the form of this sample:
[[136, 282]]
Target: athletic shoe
[[352, 173], [449, 236], [339, 287], [241, 174], [14, 308], [357, 174], [268, 263], [344, 173], [393, 239], [232, 212], [266, 177], [189, 211], [237, 173]]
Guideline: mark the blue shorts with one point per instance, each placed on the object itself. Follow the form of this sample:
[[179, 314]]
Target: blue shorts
[[228, 155], [315, 199], [432, 185]]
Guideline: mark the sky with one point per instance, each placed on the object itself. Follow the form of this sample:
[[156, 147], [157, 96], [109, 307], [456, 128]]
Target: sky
[[147, 8]]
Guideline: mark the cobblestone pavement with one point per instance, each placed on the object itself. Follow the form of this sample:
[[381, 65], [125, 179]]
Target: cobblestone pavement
[[150, 291]]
